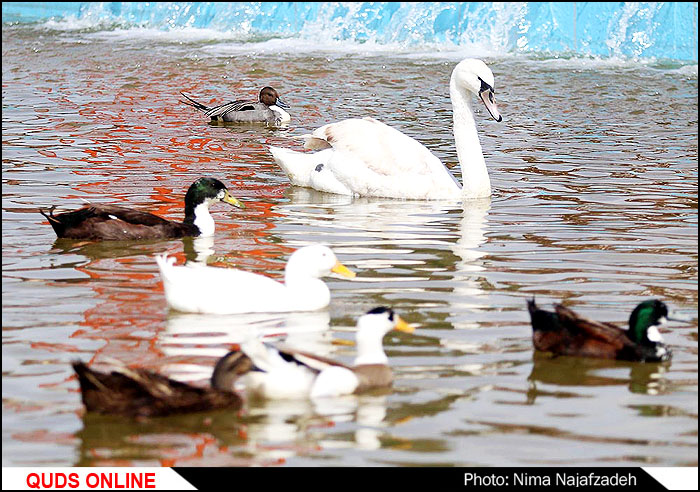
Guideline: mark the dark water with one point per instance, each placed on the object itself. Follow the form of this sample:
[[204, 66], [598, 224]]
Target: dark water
[[594, 172]]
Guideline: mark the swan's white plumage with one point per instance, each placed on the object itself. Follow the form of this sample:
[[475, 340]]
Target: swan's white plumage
[[364, 160], [383, 149], [325, 180], [365, 157], [196, 288]]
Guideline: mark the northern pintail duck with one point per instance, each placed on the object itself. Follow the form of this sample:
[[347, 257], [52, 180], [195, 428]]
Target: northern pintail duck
[[115, 223], [283, 373], [215, 290], [269, 108], [563, 332], [365, 157], [143, 393]]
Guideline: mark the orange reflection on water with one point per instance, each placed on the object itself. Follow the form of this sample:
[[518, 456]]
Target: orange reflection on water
[[135, 145]]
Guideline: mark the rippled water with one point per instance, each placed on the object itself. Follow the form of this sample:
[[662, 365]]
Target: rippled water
[[594, 171]]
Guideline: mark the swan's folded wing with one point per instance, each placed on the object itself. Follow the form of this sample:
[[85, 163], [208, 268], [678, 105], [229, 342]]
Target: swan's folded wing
[[383, 149], [315, 143]]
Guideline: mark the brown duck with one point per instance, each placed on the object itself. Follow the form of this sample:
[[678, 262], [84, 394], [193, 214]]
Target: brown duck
[[563, 332], [97, 222], [144, 393]]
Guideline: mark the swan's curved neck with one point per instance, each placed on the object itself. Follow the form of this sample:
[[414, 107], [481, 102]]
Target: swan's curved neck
[[475, 176]]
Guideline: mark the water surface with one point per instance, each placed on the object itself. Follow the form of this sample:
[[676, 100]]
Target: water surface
[[594, 172]]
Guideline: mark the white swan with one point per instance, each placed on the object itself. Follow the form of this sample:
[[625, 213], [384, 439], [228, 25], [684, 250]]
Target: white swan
[[364, 157], [195, 288], [282, 372]]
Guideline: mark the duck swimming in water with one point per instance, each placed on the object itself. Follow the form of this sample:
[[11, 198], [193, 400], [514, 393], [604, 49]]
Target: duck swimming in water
[[269, 109], [563, 332], [194, 288], [98, 222], [265, 371], [285, 373], [143, 393]]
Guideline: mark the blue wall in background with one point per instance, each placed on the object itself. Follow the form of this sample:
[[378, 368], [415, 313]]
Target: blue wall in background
[[655, 29]]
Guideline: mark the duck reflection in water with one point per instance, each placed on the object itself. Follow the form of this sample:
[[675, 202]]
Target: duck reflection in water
[[198, 439], [197, 249], [208, 335], [576, 372]]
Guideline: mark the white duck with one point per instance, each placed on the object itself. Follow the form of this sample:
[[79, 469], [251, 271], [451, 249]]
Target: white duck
[[196, 288], [283, 373], [364, 157]]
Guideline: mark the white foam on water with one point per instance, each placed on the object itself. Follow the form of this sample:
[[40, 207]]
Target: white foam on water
[[297, 46], [180, 35], [412, 31], [689, 71]]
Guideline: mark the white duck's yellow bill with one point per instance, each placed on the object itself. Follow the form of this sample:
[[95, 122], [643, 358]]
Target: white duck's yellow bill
[[342, 342], [401, 325], [232, 200], [341, 269]]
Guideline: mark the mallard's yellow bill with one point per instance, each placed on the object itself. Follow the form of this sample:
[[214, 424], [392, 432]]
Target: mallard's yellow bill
[[231, 200], [401, 325], [343, 270]]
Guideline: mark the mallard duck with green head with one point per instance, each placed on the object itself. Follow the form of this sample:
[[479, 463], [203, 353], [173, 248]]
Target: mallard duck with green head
[[102, 222], [563, 332]]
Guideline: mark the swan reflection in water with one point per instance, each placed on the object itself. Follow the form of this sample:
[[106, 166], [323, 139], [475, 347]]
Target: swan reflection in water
[[397, 246]]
